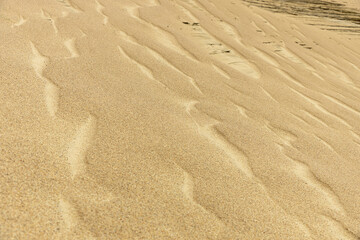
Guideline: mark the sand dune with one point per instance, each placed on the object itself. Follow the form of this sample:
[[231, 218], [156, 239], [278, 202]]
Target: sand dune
[[179, 119]]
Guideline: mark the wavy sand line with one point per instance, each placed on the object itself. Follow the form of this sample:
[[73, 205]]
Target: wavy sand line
[[287, 54], [71, 218], [343, 104], [68, 213], [286, 136], [267, 93], [258, 29], [303, 171], [264, 20], [160, 58], [222, 52], [290, 78], [242, 110], [70, 45], [51, 98], [79, 146], [353, 65], [221, 72], [228, 28], [145, 70], [315, 118], [318, 76], [337, 229], [69, 4], [51, 91], [133, 11], [328, 145], [264, 56], [127, 37], [46, 16], [162, 35], [237, 157], [20, 22], [142, 67], [320, 108], [188, 186], [100, 9], [341, 75], [188, 191]]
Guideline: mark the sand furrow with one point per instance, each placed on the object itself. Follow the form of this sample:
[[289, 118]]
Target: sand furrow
[[315, 118], [162, 35], [68, 213], [220, 51], [70, 45], [300, 119], [342, 104], [133, 11], [71, 219], [127, 37], [51, 91], [69, 4], [338, 230], [46, 16], [227, 27], [145, 70], [188, 191], [154, 53], [236, 156], [258, 29], [221, 72], [304, 172], [354, 66], [287, 54], [286, 136], [51, 98], [100, 9], [290, 78], [38, 61], [267, 23], [20, 22], [318, 76], [242, 110], [341, 75], [188, 186], [333, 115], [79, 146], [324, 142], [163, 60], [264, 56], [267, 93], [320, 108]]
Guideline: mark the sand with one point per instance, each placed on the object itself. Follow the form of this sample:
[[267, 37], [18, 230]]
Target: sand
[[177, 119]]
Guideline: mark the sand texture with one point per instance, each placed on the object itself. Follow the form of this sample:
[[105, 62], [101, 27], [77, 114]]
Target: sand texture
[[179, 119]]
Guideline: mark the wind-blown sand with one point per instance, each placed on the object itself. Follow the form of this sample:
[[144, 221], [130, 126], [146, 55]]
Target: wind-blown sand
[[177, 119]]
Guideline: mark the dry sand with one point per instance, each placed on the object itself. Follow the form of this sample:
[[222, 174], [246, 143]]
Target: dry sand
[[176, 119]]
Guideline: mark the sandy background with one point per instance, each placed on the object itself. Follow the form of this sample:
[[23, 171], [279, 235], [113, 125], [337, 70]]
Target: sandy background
[[176, 119]]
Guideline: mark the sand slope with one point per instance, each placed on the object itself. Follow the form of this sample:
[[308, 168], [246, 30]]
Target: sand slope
[[176, 119]]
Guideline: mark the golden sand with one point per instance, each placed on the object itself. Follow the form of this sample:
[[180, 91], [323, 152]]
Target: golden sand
[[176, 119]]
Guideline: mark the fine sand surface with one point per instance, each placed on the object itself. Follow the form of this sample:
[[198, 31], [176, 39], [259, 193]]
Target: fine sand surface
[[176, 119]]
